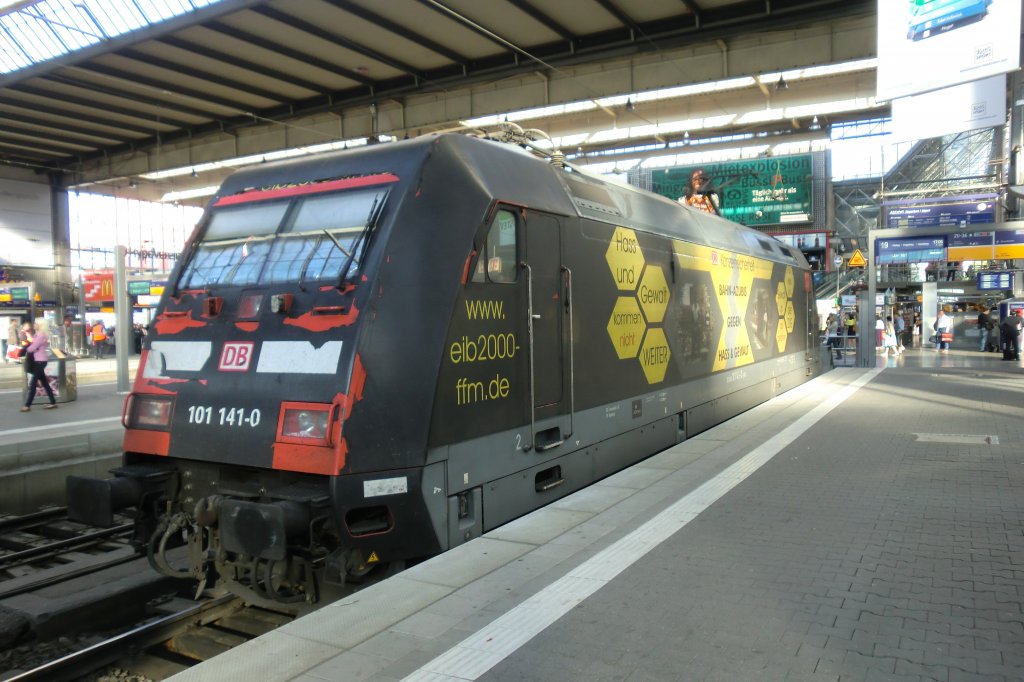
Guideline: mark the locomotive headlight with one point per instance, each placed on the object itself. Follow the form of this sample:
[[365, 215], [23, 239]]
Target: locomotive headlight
[[305, 423], [150, 412]]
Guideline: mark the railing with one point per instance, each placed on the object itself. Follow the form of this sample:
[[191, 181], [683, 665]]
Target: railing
[[827, 287]]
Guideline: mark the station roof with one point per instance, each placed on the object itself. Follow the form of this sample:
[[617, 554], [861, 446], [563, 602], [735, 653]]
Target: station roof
[[81, 82]]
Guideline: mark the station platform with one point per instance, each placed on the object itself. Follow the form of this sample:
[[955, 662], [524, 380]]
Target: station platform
[[39, 448], [864, 526]]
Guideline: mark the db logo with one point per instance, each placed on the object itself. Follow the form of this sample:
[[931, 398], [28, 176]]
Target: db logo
[[235, 356]]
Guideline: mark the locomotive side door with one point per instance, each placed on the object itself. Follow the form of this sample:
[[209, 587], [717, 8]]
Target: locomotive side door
[[547, 310]]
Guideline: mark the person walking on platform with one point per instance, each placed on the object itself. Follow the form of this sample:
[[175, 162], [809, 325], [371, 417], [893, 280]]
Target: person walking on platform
[[835, 333], [900, 327], [889, 342], [943, 332], [985, 325], [38, 349], [1010, 330], [99, 339]]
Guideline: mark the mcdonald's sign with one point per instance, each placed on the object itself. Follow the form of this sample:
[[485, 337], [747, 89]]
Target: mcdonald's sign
[[98, 286]]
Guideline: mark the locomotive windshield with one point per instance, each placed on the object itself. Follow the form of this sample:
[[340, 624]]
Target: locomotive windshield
[[307, 238]]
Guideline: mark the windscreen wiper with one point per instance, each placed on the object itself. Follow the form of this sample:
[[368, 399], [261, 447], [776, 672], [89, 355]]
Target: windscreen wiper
[[337, 243], [371, 222]]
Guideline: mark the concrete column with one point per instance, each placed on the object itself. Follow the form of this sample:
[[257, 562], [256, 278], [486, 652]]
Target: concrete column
[[60, 235], [1015, 174], [123, 311]]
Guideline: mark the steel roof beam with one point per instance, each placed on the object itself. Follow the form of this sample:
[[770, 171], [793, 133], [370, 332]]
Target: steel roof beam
[[63, 127], [619, 15], [400, 30], [449, 13], [200, 74], [284, 51], [44, 135], [25, 157], [33, 144], [77, 116], [111, 91], [609, 44], [695, 10], [218, 55], [341, 41], [35, 135], [165, 87], [534, 13]]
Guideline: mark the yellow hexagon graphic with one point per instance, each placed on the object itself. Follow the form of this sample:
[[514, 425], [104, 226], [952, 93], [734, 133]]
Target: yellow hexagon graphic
[[626, 327], [654, 355], [790, 316], [780, 299], [781, 335], [625, 258], [789, 282], [653, 294]]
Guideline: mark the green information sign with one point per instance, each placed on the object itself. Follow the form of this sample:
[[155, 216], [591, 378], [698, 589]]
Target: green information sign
[[137, 288], [19, 293], [767, 191]]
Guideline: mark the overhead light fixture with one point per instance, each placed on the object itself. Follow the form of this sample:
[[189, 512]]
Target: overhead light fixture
[[629, 105], [132, 184], [782, 84], [814, 124], [194, 174]]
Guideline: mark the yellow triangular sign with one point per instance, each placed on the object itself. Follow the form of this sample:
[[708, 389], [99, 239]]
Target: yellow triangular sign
[[373, 558], [857, 260]]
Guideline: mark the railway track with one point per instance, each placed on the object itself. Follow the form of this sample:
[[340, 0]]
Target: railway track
[[44, 548], [186, 634]]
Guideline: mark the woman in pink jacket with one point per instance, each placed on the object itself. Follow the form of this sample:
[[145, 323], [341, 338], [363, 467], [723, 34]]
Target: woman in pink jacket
[[38, 349]]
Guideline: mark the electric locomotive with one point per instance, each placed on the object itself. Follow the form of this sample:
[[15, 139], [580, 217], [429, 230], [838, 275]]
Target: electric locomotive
[[371, 356]]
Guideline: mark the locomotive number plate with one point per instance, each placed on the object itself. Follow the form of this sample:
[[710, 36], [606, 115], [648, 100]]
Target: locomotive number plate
[[223, 416]]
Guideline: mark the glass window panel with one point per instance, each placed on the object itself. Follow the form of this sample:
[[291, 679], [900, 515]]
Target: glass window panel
[[253, 256], [501, 248], [30, 33], [347, 209], [245, 221], [210, 265], [327, 260], [245, 245], [286, 260]]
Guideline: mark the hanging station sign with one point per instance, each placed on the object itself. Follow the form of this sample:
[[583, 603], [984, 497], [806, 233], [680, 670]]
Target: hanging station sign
[[918, 250]]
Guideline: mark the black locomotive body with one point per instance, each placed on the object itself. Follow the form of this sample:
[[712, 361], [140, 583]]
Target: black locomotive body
[[378, 354]]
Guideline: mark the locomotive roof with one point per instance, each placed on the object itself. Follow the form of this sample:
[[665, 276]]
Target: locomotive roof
[[510, 173]]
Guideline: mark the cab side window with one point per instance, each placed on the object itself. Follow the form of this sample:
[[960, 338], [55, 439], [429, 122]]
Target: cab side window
[[498, 261]]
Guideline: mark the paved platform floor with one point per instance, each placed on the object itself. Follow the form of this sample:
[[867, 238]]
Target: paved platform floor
[[865, 526], [39, 448]]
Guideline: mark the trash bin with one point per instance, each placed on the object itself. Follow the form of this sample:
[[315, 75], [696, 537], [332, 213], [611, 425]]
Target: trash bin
[[61, 373]]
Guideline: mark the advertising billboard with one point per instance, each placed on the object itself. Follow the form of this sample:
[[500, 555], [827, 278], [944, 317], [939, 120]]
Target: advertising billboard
[[925, 45], [968, 106], [767, 191]]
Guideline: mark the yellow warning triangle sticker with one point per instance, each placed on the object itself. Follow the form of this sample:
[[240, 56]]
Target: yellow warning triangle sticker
[[373, 558], [857, 260]]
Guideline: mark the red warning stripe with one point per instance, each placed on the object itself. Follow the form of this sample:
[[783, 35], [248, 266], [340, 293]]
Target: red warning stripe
[[311, 188]]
